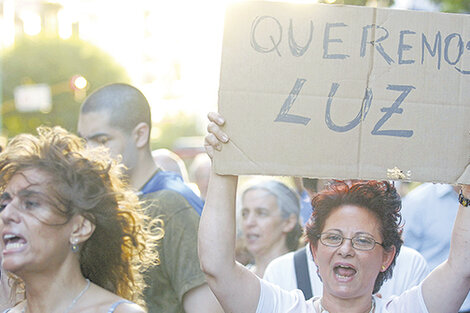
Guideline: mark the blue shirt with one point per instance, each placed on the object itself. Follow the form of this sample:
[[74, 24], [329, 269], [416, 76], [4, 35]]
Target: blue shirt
[[305, 207], [172, 181]]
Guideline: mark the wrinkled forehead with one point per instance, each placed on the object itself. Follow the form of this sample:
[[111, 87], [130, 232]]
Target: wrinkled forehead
[[37, 197], [352, 219], [258, 195], [28, 179]]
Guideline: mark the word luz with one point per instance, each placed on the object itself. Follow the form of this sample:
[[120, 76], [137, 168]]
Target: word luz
[[284, 115]]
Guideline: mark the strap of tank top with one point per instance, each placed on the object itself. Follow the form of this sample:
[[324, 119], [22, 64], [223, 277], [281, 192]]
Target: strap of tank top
[[115, 304]]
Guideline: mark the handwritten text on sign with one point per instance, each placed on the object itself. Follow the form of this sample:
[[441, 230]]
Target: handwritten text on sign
[[451, 48], [345, 92]]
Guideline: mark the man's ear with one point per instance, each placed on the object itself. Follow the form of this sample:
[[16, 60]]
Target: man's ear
[[141, 135], [82, 229]]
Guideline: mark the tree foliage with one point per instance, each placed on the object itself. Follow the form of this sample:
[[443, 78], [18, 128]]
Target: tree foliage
[[53, 62], [454, 6], [171, 128], [358, 2]]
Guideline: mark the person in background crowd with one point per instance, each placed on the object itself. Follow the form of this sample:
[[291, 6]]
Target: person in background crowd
[[73, 234], [199, 172], [306, 188], [169, 161], [117, 116], [270, 222], [429, 212], [354, 236]]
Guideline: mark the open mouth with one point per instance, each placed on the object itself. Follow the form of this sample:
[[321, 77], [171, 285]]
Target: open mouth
[[252, 237], [344, 271], [12, 241]]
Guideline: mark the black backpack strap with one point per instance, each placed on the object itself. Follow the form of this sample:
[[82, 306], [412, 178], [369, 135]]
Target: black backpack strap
[[301, 272]]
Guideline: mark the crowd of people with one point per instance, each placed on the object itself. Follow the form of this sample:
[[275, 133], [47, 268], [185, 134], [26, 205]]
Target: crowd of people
[[354, 237], [97, 222]]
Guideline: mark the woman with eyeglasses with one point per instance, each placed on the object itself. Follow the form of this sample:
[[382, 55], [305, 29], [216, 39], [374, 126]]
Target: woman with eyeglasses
[[354, 237]]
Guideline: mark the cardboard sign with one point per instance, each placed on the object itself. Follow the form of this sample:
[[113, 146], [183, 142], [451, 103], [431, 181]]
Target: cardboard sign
[[345, 92]]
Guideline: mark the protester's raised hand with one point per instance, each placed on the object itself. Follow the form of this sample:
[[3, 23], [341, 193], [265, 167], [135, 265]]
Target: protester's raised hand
[[215, 136], [466, 191]]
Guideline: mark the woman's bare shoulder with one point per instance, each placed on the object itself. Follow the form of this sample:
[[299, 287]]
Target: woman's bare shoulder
[[101, 300], [128, 307]]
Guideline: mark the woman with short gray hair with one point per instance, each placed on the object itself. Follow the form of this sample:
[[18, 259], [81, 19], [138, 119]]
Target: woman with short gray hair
[[270, 222]]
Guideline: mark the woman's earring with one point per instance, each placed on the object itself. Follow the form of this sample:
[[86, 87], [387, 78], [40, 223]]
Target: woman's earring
[[74, 242], [383, 268]]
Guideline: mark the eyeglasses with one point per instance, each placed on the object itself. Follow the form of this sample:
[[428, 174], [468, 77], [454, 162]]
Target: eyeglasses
[[359, 242]]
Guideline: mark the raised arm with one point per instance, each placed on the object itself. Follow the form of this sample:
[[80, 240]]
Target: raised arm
[[445, 289], [236, 288], [201, 299]]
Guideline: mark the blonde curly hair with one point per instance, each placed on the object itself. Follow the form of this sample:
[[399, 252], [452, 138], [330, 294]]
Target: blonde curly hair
[[88, 182]]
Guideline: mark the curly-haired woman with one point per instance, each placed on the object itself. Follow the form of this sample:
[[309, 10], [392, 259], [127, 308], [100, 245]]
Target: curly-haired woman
[[73, 236]]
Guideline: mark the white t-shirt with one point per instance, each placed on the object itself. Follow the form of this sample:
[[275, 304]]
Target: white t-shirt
[[273, 299], [410, 269]]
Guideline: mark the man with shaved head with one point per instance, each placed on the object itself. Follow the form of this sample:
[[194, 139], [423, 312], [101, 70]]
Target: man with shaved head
[[118, 117]]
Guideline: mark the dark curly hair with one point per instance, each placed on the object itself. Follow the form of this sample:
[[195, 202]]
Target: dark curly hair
[[88, 182], [379, 197]]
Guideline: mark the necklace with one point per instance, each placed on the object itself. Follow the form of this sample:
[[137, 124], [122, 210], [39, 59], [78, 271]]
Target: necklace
[[73, 301], [322, 310]]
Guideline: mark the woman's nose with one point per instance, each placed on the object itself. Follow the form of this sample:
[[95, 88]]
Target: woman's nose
[[346, 248], [9, 212], [249, 220]]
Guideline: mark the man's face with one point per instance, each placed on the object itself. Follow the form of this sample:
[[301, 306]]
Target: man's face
[[95, 128]]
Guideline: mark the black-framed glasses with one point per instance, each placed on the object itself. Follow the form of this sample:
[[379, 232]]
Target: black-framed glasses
[[359, 242]]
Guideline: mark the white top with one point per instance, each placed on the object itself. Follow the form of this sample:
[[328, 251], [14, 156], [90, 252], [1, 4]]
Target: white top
[[273, 299], [410, 269], [4, 291]]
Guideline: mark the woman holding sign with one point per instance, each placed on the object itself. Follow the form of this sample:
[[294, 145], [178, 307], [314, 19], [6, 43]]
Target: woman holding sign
[[354, 236]]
